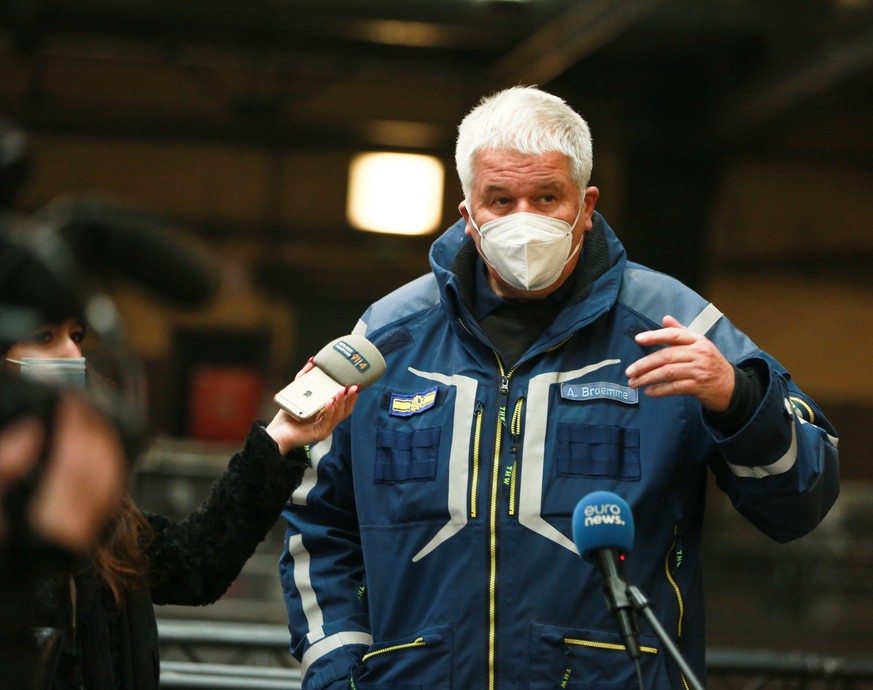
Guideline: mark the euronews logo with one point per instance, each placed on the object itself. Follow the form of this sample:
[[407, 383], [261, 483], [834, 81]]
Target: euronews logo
[[604, 514]]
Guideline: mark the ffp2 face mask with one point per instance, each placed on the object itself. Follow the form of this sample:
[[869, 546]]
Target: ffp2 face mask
[[528, 250]]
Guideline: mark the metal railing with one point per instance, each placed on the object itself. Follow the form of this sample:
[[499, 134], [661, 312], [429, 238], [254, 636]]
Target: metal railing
[[235, 643], [185, 674], [253, 656], [256, 657], [745, 669]]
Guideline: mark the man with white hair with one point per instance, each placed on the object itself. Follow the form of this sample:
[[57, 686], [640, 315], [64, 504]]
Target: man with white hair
[[430, 543]]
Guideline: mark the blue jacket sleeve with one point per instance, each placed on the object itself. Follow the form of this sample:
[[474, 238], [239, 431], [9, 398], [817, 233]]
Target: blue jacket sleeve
[[321, 568], [781, 469]]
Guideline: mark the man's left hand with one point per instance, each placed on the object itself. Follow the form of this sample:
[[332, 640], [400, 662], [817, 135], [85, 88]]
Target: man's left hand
[[689, 364]]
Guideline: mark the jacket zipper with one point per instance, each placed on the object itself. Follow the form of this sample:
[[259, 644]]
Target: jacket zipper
[[492, 517], [474, 480], [594, 644], [418, 642], [492, 523], [676, 549], [495, 493], [511, 477]]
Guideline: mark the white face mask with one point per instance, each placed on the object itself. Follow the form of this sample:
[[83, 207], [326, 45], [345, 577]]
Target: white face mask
[[56, 371], [528, 250]]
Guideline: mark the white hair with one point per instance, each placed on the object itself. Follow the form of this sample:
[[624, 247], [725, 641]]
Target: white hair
[[529, 121]]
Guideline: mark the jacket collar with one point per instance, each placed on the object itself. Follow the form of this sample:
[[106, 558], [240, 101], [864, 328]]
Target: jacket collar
[[596, 281]]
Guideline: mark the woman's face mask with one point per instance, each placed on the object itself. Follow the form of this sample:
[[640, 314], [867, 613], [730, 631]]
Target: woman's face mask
[[528, 250], [56, 371]]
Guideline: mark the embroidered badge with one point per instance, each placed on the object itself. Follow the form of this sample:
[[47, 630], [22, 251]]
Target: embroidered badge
[[600, 390], [408, 405], [351, 354]]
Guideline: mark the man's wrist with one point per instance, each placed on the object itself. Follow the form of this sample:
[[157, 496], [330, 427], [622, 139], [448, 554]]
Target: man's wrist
[[749, 390]]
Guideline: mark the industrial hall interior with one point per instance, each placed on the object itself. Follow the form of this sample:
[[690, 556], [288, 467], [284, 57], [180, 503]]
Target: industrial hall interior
[[733, 150]]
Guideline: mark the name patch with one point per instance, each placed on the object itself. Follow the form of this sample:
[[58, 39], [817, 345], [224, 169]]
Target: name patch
[[351, 354], [415, 403], [600, 390]]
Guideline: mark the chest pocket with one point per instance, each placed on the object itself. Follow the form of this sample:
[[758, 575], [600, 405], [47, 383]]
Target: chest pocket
[[405, 456], [590, 450]]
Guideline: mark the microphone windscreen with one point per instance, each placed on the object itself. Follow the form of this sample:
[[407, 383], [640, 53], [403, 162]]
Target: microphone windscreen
[[347, 361], [109, 238], [38, 285], [351, 360], [602, 520]]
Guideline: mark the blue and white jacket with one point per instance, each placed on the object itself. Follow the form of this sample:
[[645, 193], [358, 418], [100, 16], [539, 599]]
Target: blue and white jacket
[[430, 546]]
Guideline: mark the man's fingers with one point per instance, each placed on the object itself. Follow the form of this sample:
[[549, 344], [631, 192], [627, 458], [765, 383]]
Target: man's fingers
[[667, 336], [648, 367], [672, 333]]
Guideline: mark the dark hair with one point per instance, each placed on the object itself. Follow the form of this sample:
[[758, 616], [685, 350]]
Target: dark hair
[[119, 556], [31, 293]]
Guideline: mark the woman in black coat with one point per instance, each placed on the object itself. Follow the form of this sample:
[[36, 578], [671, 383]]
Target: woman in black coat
[[104, 600]]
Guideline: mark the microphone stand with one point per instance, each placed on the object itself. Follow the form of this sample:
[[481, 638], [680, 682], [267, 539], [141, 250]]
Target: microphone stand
[[641, 604]]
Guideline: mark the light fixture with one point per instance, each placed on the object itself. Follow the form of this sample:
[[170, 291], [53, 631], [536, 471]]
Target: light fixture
[[399, 193]]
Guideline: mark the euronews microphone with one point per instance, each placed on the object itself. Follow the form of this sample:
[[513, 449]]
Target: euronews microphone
[[603, 531], [350, 360]]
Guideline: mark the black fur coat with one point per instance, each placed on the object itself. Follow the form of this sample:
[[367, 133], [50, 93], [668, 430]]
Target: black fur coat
[[191, 562]]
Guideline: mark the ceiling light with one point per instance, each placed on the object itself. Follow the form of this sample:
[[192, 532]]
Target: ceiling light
[[399, 193]]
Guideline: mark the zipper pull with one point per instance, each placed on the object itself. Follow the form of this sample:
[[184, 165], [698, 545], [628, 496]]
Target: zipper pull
[[504, 384], [568, 652]]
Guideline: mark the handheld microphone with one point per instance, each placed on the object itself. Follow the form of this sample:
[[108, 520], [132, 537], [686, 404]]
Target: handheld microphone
[[347, 361], [603, 531]]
